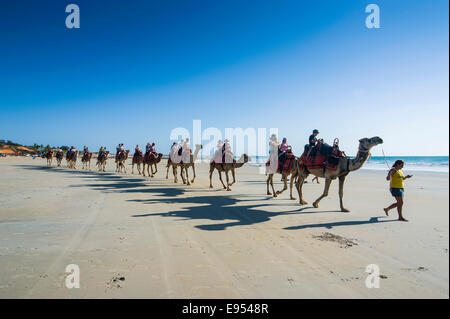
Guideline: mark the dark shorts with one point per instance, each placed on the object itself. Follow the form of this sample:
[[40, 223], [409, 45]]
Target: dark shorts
[[397, 192]]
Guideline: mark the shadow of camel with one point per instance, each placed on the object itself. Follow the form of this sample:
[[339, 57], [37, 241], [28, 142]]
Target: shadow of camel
[[116, 183], [212, 207], [221, 208], [372, 220]]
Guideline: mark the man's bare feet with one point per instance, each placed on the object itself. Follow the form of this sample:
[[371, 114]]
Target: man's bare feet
[[386, 211], [402, 219]]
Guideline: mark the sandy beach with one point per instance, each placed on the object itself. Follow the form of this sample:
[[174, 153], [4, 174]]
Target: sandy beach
[[142, 237]]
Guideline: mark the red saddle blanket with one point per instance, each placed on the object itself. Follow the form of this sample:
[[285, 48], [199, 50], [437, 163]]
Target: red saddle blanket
[[286, 165], [149, 155], [314, 162]]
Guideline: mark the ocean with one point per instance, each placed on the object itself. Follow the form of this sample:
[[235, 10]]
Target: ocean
[[412, 163]]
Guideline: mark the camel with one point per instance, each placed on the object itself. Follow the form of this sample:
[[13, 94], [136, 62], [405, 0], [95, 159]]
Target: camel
[[138, 159], [344, 167], [101, 161], [49, 157], [86, 160], [150, 159], [226, 167], [184, 167], [120, 161], [72, 159], [284, 177], [59, 158]]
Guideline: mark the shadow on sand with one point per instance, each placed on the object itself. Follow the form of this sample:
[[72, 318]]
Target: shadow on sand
[[233, 210]]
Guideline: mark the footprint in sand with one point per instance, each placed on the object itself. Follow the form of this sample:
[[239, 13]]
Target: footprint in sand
[[115, 281]]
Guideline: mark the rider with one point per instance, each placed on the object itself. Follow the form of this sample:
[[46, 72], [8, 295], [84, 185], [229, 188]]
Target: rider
[[119, 149], [282, 149], [217, 158], [86, 150], [284, 145], [137, 150], [153, 148], [72, 149], [312, 141], [148, 147], [227, 152]]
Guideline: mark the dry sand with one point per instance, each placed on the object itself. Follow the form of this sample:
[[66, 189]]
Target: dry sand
[[136, 237]]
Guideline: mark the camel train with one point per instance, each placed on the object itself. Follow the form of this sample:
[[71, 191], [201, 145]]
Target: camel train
[[328, 163]]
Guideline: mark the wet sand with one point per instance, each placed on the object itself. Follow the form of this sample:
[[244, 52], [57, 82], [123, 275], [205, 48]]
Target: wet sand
[[142, 237]]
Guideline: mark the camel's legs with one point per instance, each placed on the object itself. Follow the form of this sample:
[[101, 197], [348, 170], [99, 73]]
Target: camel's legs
[[233, 173], [156, 169], [132, 168], [221, 180], [148, 170], [181, 174], [143, 168], [271, 184], [341, 193], [174, 171], [193, 169], [228, 181], [211, 170], [138, 165], [325, 192], [268, 182], [300, 180], [284, 179], [187, 175], [167, 174], [291, 183]]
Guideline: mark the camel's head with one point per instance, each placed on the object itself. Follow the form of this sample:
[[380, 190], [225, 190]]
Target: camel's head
[[365, 144], [245, 158], [160, 155]]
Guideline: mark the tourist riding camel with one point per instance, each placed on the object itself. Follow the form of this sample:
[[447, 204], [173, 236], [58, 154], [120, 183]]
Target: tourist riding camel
[[151, 158], [226, 167], [184, 160], [49, 157], [59, 157], [102, 159], [121, 158], [173, 158], [138, 158], [71, 157], [312, 142], [282, 161], [86, 159], [330, 163]]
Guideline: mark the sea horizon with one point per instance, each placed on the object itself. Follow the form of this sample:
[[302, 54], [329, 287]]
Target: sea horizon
[[412, 163]]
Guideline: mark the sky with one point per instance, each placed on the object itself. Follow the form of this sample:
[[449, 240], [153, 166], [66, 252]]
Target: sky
[[135, 70]]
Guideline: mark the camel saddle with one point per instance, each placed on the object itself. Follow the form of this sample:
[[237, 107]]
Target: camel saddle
[[120, 153], [322, 155], [285, 163], [148, 154]]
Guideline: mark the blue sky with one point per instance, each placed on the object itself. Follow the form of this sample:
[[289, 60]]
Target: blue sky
[[137, 69]]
